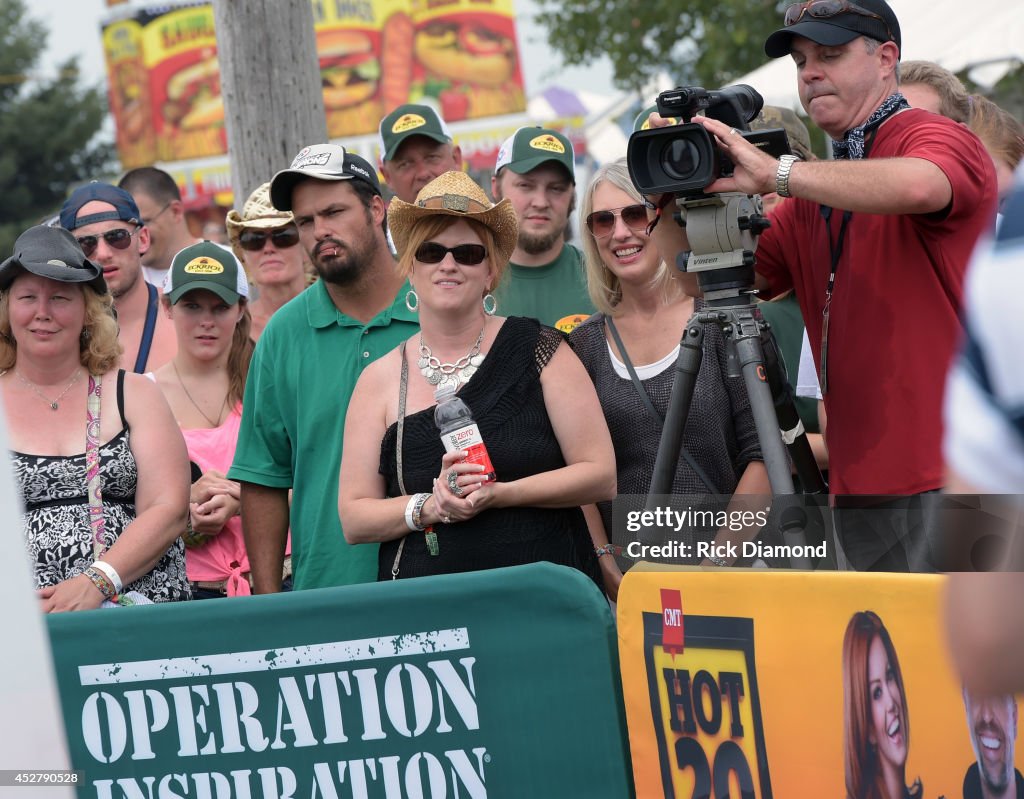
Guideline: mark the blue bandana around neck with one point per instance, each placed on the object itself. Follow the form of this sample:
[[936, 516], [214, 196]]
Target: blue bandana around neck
[[852, 145]]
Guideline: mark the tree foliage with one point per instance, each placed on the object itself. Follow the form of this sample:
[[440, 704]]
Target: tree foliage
[[697, 42], [48, 127]]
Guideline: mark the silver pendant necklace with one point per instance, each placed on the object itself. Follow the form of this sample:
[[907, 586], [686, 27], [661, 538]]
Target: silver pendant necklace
[[220, 410], [53, 403], [458, 373]]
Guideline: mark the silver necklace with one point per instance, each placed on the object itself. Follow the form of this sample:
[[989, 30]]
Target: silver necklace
[[195, 404], [53, 403], [437, 373]]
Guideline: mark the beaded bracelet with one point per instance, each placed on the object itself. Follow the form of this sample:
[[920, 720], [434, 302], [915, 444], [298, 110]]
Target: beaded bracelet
[[607, 549], [112, 575], [102, 583]]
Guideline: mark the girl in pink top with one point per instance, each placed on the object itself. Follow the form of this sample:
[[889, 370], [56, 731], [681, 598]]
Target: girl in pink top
[[206, 296]]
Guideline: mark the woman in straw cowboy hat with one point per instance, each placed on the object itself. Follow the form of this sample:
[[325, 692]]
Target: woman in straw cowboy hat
[[266, 242], [103, 523], [537, 411]]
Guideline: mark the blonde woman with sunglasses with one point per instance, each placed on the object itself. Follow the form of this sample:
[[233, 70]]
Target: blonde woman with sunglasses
[[638, 299], [266, 242]]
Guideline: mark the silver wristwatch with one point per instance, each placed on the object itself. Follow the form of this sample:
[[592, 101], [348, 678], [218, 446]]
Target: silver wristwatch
[[782, 175], [718, 561]]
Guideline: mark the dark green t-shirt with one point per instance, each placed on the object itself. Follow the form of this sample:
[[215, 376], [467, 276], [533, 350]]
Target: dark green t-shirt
[[554, 293], [302, 374], [788, 327]]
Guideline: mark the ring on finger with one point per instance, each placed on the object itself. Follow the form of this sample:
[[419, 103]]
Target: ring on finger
[[453, 484], [734, 130], [446, 519]]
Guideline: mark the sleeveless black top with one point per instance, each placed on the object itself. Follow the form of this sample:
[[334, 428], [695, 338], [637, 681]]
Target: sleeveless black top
[[507, 404]]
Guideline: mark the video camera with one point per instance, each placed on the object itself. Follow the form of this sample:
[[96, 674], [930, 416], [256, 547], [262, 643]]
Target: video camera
[[684, 159]]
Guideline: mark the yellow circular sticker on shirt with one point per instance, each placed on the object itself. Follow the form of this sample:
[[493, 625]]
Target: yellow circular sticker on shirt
[[569, 323]]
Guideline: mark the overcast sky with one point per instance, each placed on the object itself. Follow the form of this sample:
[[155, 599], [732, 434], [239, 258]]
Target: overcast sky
[[74, 27]]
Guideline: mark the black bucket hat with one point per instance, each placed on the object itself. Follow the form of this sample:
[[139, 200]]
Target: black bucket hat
[[54, 253]]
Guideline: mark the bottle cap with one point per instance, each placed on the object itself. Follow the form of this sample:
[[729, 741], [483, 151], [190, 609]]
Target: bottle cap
[[443, 391]]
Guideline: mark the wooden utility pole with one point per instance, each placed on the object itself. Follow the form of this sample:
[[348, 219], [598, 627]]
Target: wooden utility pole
[[270, 81]]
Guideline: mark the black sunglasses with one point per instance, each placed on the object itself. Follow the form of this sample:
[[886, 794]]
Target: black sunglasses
[[118, 238], [430, 252], [282, 238], [602, 223]]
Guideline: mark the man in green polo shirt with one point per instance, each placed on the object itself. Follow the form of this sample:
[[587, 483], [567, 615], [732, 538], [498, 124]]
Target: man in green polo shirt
[[546, 278], [415, 147], [305, 366]]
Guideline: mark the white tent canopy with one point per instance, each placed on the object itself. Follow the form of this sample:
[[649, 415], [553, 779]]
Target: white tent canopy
[[986, 36]]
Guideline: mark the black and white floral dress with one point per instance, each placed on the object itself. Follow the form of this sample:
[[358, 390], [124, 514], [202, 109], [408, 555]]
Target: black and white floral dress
[[56, 521]]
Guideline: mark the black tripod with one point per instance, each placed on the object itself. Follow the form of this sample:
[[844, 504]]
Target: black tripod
[[723, 231]]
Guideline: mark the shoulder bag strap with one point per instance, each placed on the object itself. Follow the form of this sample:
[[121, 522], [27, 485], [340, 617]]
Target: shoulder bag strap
[[633, 375], [657, 417], [403, 388], [92, 465], [152, 307]]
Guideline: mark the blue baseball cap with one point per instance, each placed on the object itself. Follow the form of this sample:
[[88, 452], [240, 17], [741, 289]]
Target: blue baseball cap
[[125, 208]]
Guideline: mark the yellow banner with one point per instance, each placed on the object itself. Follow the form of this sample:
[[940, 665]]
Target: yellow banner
[[460, 56], [178, 32], [128, 93], [184, 74], [781, 684]]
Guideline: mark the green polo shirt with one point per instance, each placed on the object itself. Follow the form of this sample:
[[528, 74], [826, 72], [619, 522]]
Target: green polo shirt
[[554, 293], [302, 374]]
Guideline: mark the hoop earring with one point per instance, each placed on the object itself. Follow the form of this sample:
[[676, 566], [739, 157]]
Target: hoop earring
[[490, 311], [412, 300]]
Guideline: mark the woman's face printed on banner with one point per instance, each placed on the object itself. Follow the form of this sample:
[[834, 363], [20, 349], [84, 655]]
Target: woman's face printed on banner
[[887, 723]]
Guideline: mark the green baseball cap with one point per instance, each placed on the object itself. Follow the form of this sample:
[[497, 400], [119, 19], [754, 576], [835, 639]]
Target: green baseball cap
[[643, 119], [773, 116], [206, 266], [528, 148], [410, 120]]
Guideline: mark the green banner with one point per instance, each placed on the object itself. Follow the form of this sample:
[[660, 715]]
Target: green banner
[[490, 684]]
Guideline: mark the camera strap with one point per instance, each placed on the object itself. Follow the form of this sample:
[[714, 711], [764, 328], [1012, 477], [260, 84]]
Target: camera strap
[[662, 203], [835, 250]]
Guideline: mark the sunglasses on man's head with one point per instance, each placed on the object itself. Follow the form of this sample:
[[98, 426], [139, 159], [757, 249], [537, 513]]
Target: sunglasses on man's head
[[255, 240], [602, 223], [118, 238], [824, 9], [430, 252]]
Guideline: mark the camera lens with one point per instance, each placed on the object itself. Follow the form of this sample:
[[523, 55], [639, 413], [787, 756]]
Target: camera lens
[[680, 158]]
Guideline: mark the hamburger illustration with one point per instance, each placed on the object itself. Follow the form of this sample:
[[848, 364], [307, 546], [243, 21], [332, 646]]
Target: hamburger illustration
[[193, 96], [349, 68]]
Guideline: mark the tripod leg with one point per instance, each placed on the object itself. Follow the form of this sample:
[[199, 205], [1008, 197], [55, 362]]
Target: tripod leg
[[751, 359], [691, 352], [793, 433]]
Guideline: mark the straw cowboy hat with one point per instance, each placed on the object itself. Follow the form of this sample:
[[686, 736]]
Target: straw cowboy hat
[[258, 212], [455, 194]]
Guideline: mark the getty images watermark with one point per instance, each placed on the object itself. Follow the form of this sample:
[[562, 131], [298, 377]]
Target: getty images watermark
[[747, 530]]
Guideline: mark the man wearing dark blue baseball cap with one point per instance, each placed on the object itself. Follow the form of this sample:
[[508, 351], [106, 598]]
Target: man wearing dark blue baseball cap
[[305, 366], [107, 223], [876, 243]]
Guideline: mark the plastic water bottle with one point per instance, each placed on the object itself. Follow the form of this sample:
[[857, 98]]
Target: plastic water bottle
[[458, 430]]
